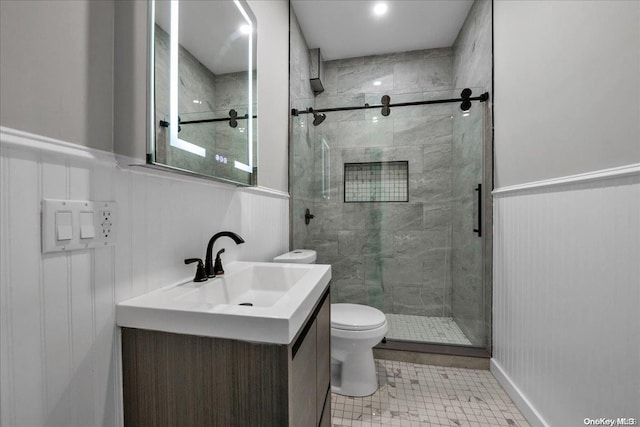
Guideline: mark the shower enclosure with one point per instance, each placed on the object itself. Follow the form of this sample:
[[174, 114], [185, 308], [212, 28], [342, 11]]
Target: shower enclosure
[[396, 192]]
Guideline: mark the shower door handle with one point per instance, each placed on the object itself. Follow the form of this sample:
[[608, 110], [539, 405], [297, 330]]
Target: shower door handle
[[479, 229]]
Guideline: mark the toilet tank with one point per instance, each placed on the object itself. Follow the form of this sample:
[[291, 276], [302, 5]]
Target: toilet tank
[[298, 256]]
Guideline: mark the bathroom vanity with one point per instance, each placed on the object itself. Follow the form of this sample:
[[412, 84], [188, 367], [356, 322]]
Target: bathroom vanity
[[192, 356]]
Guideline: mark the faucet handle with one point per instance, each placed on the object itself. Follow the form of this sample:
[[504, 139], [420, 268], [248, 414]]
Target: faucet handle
[[201, 276], [217, 266]]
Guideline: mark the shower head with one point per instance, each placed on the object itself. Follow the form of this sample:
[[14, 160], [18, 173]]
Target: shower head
[[317, 117]]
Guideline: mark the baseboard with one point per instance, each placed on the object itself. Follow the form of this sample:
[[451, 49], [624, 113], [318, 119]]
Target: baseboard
[[528, 410]]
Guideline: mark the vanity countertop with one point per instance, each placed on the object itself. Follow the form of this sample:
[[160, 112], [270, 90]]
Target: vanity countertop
[[282, 297]]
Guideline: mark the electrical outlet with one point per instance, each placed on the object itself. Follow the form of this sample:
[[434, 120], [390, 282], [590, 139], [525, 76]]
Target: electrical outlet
[[105, 223], [69, 225]]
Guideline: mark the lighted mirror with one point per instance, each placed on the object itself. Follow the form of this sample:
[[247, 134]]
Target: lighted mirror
[[204, 88]]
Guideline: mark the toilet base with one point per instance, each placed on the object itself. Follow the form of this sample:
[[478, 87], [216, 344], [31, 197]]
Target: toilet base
[[355, 376]]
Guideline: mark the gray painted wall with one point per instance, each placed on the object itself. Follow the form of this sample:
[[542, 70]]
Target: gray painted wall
[[56, 69], [578, 65], [131, 67], [273, 92]]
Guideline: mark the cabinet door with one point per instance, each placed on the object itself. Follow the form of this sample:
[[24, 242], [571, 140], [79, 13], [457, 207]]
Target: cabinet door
[[303, 382], [325, 421], [323, 363], [176, 380]]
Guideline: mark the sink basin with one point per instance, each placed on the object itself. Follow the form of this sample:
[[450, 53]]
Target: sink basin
[[253, 301], [260, 285]]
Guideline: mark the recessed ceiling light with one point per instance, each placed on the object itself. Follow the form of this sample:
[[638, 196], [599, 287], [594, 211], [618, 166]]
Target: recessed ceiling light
[[377, 83], [380, 9], [245, 29]]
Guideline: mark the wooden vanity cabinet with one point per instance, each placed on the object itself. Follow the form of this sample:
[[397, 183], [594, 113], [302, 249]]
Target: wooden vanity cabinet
[[323, 367], [186, 380], [310, 370]]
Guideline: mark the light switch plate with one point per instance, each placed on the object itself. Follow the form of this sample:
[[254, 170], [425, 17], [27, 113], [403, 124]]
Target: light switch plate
[[92, 224], [64, 225], [87, 226]]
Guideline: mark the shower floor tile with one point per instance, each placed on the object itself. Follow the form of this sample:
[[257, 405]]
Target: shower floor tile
[[425, 395], [442, 330]]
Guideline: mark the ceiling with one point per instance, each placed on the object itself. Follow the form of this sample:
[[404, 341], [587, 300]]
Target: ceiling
[[349, 28]]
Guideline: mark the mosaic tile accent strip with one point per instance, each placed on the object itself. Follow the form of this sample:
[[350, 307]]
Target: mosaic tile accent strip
[[424, 395], [376, 182], [425, 329]]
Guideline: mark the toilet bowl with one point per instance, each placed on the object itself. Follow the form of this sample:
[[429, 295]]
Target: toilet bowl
[[355, 330]]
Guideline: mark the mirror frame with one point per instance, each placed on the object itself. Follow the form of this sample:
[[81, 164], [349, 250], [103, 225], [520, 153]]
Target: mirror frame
[[248, 15]]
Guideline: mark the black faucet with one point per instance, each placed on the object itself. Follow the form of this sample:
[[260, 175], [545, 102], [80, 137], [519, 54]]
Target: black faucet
[[217, 264], [201, 276], [208, 262]]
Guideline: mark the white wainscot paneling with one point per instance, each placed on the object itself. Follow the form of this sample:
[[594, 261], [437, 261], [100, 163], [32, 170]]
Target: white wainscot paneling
[[265, 218], [59, 350], [566, 296]]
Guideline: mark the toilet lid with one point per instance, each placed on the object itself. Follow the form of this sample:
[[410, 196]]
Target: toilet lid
[[356, 317]]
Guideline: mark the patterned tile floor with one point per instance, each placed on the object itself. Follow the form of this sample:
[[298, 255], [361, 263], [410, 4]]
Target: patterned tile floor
[[424, 395], [425, 329]]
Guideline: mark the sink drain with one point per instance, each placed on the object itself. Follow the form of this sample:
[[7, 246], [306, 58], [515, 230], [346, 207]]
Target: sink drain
[[250, 304]]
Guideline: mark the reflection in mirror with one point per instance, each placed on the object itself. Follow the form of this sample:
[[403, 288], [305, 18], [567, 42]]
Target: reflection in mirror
[[204, 86]]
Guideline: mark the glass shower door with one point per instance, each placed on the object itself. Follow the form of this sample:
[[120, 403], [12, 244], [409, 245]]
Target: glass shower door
[[395, 207], [467, 290], [302, 181]]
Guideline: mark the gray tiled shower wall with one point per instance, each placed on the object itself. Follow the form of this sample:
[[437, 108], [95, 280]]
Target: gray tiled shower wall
[[398, 257], [217, 94], [472, 274], [301, 146], [394, 256]]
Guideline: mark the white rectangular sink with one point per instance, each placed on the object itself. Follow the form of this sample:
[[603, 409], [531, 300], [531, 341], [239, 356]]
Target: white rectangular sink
[[282, 296]]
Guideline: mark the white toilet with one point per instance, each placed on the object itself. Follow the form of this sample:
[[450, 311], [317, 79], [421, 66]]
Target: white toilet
[[355, 330]]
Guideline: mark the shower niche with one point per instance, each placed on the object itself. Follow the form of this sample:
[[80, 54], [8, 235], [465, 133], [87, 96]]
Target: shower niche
[[376, 182]]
